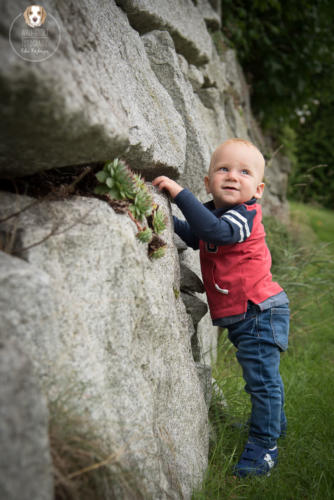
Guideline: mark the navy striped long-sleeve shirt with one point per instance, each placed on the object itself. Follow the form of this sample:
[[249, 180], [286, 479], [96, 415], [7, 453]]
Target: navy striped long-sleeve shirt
[[205, 222]]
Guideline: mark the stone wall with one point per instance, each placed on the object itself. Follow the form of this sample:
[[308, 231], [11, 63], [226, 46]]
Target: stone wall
[[85, 314], [105, 331]]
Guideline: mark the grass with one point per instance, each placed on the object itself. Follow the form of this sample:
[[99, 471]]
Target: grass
[[82, 467], [303, 262]]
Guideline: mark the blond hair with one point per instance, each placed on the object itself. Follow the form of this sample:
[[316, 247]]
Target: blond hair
[[237, 140]]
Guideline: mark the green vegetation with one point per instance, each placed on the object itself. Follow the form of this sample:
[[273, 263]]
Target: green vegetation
[[126, 191], [303, 262], [312, 176], [286, 50], [117, 181]]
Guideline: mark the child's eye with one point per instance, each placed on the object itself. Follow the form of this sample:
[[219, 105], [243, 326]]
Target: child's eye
[[223, 169], [245, 171]]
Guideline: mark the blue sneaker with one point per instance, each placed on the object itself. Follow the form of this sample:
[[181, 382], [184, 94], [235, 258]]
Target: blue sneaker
[[256, 461]]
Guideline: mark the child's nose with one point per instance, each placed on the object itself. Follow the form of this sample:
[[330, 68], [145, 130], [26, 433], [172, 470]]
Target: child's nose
[[232, 175]]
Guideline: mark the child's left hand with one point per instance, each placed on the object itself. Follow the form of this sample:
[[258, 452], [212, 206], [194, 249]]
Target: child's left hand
[[163, 182]]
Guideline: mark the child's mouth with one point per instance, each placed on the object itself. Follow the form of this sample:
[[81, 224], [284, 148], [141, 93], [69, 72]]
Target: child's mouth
[[229, 188]]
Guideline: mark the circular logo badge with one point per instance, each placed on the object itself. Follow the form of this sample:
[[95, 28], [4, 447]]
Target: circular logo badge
[[35, 34]]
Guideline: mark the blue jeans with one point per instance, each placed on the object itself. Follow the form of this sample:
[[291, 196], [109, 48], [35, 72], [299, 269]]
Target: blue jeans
[[259, 339]]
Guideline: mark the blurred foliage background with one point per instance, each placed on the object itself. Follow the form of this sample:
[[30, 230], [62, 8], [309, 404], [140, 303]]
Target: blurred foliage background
[[286, 50]]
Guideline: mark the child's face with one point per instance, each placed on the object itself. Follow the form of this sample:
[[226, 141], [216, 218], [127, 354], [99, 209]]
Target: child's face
[[235, 174]]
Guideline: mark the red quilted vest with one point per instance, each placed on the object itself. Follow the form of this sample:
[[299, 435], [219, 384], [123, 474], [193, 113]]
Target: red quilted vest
[[233, 274]]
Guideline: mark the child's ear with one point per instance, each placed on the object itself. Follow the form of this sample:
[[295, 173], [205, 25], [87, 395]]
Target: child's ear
[[259, 191], [207, 186]]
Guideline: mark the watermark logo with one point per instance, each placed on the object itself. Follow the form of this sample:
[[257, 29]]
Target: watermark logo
[[34, 35], [34, 16]]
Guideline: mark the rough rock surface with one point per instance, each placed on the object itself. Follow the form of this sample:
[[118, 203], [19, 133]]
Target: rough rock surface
[[94, 99], [25, 461], [166, 65], [182, 19], [96, 314], [204, 335]]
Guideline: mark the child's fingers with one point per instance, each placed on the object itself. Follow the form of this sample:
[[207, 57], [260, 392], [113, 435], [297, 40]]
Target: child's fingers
[[158, 180], [161, 182]]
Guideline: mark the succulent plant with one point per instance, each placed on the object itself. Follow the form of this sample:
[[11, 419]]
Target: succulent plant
[[128, 193], [142, 205], [158, 253], [139, 181], [159, 220], [116, 180], [145, 235]]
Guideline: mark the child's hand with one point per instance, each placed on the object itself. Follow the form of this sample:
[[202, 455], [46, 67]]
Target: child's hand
[[163, 182]]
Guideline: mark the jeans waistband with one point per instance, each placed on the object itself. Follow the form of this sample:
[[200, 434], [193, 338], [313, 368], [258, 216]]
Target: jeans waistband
[[251, 307]]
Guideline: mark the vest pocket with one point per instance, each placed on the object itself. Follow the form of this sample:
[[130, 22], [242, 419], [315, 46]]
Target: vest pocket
[[280, 319], [218, 287]]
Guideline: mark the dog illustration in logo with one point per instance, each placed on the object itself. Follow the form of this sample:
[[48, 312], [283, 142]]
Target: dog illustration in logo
[[34, 16]]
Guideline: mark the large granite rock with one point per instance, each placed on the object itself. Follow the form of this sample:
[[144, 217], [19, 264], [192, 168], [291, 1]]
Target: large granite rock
[[211, 12], [98, 317], [182, 20], [25, 462], [94, 99], [204, 334], [166, 65]]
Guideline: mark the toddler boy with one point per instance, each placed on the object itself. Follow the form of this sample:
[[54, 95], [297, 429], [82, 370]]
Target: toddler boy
[[242, 297]]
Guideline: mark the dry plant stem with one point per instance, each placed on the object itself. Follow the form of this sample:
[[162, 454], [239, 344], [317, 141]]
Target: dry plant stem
[[60, 192], [64, 191], [79, 177], [321, 165], [30, 205], [139, 227], [54, 232], [10, 244], [112, 458], [275, 153]]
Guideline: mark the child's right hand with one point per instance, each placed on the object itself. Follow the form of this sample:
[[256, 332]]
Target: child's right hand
[[163, 182]]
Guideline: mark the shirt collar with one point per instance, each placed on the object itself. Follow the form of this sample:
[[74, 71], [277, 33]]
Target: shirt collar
[[220, 211]]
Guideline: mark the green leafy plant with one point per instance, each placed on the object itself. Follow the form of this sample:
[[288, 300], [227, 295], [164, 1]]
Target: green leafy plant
[[159, 220], [142, 205], [160, 252], [116, 180], [156, 247], [127, 192], [145, 235]]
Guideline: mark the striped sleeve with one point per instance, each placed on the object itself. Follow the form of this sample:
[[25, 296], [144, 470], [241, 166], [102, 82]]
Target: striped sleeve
[[241, 222], [231, 226]]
